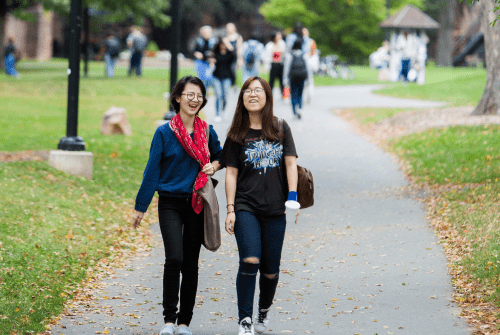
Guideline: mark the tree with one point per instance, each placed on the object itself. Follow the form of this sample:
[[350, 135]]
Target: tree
[[118, 10], [490, 101], [347, 28], [445, 33]]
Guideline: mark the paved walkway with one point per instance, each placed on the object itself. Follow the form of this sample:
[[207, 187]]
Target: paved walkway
[[363, 260]]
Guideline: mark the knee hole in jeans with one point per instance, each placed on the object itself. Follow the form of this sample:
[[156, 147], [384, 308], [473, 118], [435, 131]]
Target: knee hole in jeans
[[270, 276], [253, 260]]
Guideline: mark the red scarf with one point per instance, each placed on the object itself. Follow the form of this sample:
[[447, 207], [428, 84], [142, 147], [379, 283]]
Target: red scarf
[[197, 148]]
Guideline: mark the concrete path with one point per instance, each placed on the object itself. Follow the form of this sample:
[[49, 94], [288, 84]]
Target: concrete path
[[363, 260]]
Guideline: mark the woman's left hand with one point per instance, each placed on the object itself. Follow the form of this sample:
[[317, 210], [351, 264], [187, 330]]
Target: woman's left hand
[[208, 169]]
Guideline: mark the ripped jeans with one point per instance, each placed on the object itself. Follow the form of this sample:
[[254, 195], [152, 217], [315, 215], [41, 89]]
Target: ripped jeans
[[260, 241]]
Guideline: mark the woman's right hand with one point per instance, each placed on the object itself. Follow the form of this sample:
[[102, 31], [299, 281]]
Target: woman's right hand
[[230, 221], [137, 218]]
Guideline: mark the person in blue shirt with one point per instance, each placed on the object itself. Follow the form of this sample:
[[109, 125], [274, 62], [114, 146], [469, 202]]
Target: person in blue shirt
[[172, 172]]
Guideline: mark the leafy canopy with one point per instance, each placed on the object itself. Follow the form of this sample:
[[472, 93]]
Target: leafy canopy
[[117, 10], [497, 7], [347, 28]]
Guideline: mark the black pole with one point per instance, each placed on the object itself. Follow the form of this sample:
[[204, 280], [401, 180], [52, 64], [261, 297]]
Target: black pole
[[387, 15], [86, 29], [72, 142], [174, 50]]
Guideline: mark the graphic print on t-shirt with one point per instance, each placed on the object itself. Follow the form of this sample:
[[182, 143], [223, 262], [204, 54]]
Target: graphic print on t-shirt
[[263, 154]]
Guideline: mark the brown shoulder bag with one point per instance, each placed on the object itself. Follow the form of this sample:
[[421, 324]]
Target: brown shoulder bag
[[211, 232]]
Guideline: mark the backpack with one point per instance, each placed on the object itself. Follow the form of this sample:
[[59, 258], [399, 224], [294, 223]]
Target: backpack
[[113, 48], [251, 55], [140, 42], [298, 69]]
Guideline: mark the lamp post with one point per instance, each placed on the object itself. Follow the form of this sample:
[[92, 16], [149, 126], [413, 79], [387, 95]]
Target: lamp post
[[73, 142], [86, 30], [174, 50], [387, 15]]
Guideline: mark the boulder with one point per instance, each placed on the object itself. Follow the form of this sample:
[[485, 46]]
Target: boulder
[[115, 121]]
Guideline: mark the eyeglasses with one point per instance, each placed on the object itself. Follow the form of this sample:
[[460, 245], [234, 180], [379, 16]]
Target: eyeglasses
[[257, 90], [192, 95]]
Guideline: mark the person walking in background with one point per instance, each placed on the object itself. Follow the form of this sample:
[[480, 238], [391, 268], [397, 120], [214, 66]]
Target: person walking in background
[[275, 54], [261, 174], [180, 157], [295, 74], [312, 58], [10, 58], [252, 54], [237, 43], [224, 57], [110, 51], [203, 54], [298, 32], [137, 43]]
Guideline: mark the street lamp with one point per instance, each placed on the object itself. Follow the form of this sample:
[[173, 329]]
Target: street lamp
[[73, 142], [174, 50]]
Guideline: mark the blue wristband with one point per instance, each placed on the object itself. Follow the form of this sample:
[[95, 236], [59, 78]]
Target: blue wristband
[[292, 196]]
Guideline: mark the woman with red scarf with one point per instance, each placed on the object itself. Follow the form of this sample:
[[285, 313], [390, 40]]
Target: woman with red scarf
[[180, 159]]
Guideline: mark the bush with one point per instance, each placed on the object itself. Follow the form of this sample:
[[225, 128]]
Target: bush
[[152, 46]]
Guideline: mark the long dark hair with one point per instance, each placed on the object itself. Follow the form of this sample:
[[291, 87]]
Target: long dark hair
[[241, 121], [179, 87]]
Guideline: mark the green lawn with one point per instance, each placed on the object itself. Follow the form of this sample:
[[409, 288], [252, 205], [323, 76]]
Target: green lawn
[[457, 86], [466, 160]]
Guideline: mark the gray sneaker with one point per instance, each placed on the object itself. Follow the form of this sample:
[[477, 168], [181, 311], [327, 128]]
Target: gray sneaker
[[167, 330], [183, 330], [262, 321]]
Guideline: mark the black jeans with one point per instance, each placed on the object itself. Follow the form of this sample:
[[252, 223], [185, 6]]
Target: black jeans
[[182, 232], [276, 73]]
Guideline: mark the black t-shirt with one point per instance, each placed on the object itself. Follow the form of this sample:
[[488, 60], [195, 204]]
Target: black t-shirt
[[261, 187], [223, 64]]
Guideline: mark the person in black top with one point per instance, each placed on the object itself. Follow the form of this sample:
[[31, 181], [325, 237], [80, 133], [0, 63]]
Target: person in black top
[[261, 172], [224, 57]]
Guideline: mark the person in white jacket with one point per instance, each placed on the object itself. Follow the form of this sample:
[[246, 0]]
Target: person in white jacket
[[312, 58], [274, 56]]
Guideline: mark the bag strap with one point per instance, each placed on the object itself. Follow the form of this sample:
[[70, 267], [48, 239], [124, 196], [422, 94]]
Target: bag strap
[[208, 138], [280, 126]]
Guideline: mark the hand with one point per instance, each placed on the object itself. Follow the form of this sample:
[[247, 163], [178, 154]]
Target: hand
[[136, 219], [208, 169], [230, 221], [198, 55]]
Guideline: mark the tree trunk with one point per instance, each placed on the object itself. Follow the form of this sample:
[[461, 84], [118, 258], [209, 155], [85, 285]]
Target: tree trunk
[[445, 33], [490, 101]]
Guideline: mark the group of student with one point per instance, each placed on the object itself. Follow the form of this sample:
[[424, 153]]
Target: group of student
[[289, 61], [261, 177], [137, 42]]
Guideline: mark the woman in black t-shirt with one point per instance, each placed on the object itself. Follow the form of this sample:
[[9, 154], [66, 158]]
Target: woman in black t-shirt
[[224, 57], [261, 175]]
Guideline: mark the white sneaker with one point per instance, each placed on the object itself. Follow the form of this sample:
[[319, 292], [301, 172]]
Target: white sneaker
[[167, 330], [246, 327], [217, 119], [262, 321]]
